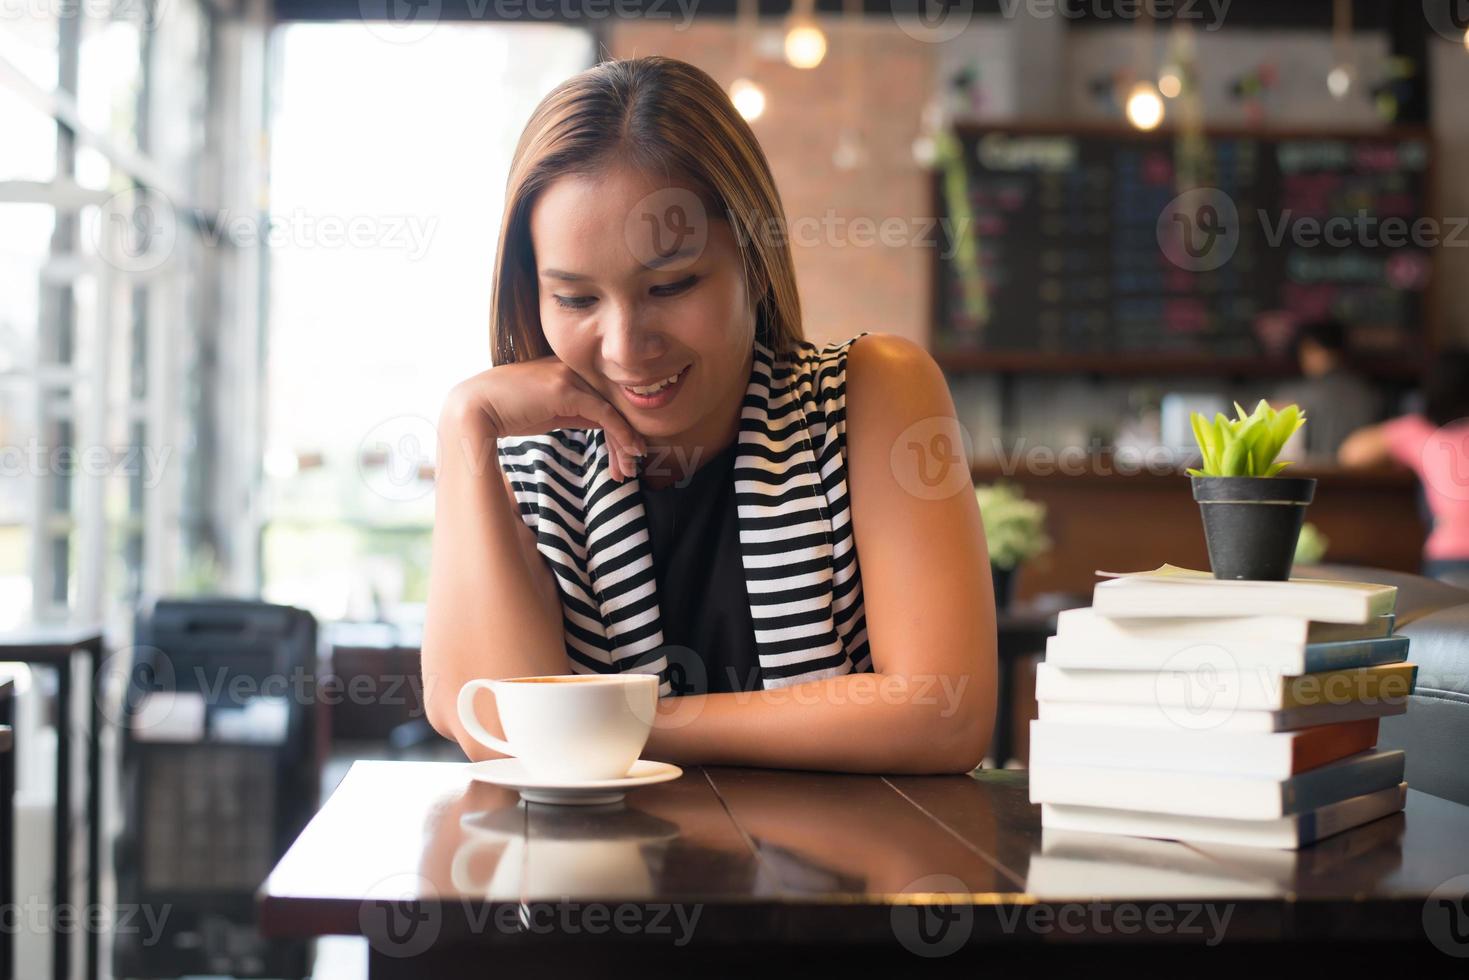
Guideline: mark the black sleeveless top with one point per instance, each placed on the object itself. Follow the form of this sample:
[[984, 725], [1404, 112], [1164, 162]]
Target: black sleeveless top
[[708, 633]]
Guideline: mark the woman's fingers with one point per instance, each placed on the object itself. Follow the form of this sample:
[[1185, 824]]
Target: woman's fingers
[[622, 440]]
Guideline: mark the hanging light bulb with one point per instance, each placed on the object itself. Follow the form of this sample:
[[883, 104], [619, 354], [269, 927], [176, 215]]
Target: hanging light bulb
[[805, 42], [1144, 106], [1170, 85], [748, 98], [1339, 81]]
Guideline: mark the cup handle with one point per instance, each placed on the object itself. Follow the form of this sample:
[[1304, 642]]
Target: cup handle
[[471, 723], [459, 870]]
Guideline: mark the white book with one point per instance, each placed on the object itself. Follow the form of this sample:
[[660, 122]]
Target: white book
[[1213, 795], [1287, 832], [1291, 631], [1214, 715], [1257, 689], [1169, 591], [1267, 754], [1288, 644]]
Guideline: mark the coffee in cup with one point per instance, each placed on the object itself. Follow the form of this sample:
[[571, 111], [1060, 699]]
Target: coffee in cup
[[571, 727]]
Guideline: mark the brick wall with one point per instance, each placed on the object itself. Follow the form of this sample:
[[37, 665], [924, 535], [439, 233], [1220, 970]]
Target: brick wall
[[850, 279]]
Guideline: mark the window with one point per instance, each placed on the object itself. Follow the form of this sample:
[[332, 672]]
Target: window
[[95, 444], [389, 156]]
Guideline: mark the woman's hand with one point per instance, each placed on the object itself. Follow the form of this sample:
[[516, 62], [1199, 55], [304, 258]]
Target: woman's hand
[[533, 397]]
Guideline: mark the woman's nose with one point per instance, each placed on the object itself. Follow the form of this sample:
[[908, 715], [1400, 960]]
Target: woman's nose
[[630, 340]]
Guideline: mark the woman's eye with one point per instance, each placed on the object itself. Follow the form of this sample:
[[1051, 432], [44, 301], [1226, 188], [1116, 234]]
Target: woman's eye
[[573, 302], [674, 288]]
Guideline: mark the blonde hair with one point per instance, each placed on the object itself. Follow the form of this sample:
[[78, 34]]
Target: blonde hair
[[660, 116]]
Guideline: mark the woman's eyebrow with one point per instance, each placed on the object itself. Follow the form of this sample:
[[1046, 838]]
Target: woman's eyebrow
[[652, 265]]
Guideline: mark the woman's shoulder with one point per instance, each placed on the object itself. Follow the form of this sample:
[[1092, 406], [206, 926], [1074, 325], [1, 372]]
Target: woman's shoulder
[[883, 357], [882, 366]]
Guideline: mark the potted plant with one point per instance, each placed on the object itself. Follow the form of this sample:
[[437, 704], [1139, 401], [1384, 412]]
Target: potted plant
[[1252, 517], [1311, 548], [1014, 530]]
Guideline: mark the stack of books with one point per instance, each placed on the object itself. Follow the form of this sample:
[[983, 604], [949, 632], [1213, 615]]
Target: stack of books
[[1235, 712]]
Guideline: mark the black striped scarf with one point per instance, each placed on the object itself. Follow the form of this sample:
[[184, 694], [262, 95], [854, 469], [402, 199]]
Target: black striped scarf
[[794, 520]]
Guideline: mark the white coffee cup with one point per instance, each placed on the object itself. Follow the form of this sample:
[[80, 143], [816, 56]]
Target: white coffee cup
[[572, 727]]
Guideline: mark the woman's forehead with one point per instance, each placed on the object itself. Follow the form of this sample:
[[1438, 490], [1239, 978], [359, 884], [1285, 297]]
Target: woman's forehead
[[622, 222]]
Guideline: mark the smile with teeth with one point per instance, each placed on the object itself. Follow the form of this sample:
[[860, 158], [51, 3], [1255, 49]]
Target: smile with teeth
[[653, 388], [657, 393]]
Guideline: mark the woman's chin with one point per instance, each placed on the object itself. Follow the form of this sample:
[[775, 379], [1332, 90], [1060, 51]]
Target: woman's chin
[[655, 425]]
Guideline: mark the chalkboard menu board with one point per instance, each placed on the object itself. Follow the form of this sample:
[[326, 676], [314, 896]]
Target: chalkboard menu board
[[1204, 246]]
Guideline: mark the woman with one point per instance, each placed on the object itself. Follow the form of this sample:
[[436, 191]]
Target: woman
[[1435, 445], [784, 533]]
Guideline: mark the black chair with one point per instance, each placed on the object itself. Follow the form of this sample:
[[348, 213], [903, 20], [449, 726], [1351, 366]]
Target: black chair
[[212, 798]]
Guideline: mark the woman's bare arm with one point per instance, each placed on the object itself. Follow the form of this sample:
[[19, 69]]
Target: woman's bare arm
[[930, 705], [492, 609]]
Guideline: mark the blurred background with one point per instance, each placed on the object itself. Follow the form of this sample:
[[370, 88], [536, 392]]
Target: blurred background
[[245, 250]]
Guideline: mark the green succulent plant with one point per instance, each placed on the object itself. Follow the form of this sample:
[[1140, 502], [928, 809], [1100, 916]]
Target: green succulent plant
[[1245, 445], [1014, 528]]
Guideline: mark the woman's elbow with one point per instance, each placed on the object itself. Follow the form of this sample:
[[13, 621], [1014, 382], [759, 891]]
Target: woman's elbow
[[441, 704], [439, 715], [957, 740], [964, 751]]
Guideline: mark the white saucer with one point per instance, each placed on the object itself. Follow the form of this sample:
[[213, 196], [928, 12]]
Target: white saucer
[[511, 774]]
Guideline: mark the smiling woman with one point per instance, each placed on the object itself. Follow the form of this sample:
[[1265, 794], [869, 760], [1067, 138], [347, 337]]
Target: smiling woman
[[686, 486]]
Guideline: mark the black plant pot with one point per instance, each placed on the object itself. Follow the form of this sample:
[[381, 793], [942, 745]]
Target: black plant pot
[[1252, 522], [1004, 581]]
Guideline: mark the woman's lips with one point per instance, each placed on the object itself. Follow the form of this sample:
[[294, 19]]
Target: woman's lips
[[657, 393]]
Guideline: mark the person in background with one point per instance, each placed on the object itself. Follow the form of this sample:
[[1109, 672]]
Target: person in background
[[1433, 443], [1337, 400]]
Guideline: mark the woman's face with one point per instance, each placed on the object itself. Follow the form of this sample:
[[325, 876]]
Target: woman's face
[[638, 285]]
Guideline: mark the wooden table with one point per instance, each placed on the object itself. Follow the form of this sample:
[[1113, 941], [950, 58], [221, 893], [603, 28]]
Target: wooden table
[[783, 872]]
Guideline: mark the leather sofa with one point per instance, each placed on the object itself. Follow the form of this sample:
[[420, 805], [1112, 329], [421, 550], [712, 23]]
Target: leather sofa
[[1435, 729]]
